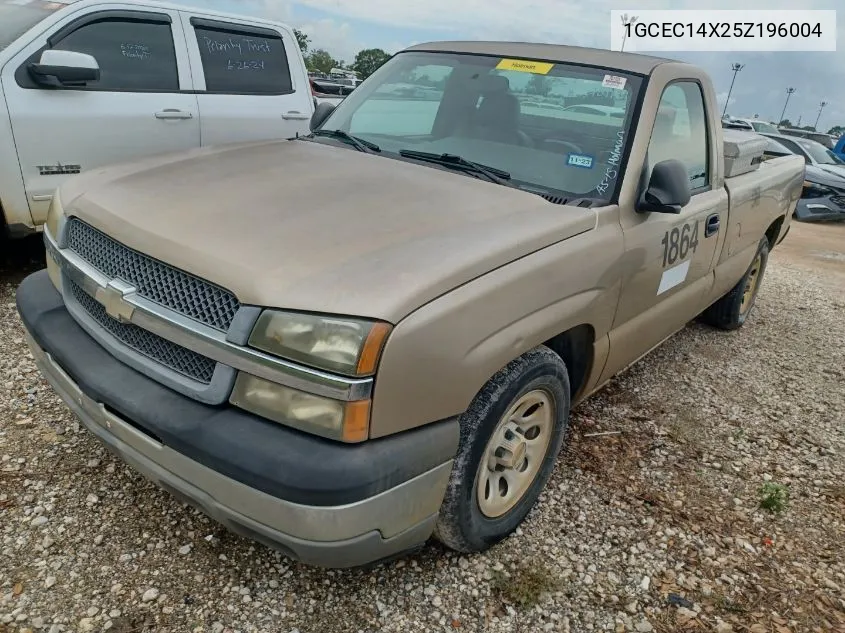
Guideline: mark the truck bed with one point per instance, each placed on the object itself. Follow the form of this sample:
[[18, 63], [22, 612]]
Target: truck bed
[[775, 184]]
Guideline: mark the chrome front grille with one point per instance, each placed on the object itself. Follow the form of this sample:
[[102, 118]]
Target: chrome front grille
[[172, 356], [170, 287]]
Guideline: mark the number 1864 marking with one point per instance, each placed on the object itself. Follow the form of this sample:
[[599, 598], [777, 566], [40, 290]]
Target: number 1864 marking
[[678, 243]]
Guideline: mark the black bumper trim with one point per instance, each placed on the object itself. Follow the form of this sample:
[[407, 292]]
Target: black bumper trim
[[282, 462]]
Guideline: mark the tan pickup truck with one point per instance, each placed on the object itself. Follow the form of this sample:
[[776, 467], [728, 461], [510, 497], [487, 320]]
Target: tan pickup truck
[[342, 344]]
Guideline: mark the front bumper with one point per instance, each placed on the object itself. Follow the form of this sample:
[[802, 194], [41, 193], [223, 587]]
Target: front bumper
[[320, 502], [825, 209]]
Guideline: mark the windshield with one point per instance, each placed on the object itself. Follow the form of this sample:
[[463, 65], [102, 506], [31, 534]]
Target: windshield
[[820, 154], [760, 126], [516, 116], [17, 17]]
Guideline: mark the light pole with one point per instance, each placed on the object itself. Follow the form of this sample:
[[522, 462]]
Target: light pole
[[626, 24], [821, 107], [789, 92], [736, 68]]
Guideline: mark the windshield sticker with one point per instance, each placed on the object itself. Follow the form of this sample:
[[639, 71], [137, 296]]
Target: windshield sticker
[[611, 172], [525, 66], [580, 160], [612, 81]]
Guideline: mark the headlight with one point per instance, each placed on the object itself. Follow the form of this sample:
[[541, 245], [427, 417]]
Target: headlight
[[344, 421], [351, 347], [815, 190]]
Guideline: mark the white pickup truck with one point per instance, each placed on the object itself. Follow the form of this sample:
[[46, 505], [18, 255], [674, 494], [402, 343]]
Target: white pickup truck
[[88, 83]]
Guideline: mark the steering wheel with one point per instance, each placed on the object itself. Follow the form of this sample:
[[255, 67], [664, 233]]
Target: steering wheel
[[572, 146]]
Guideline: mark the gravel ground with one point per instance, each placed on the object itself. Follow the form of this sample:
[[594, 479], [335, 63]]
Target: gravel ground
[[656, 528]]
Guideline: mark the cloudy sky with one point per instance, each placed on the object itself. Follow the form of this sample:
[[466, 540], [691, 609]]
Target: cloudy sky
[[345, 26]]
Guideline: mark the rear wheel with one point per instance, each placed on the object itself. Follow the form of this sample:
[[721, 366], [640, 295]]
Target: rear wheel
[[731, 311], [510, 438]]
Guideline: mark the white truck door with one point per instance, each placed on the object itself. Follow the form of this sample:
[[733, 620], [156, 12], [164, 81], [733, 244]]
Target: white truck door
[[250, 78], [142, 104]]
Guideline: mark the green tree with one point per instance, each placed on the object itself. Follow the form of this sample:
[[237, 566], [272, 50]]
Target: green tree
[[320, 59], [785, 123], [303, 39], [837, 130], [538, 85], [368, 61]]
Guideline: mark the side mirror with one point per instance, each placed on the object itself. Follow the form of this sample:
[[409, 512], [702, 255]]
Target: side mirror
[[65, 68], [668, 188], [321, 113]]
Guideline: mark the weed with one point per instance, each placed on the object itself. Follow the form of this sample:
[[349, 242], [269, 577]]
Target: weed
[[774, 497], [525, 586]]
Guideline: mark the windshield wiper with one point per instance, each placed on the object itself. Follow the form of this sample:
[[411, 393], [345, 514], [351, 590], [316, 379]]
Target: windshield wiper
[[358, 143], [499, 176]]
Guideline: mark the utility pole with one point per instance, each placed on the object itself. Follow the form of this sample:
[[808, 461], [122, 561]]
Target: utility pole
[[626, 24], [789, 93], [821, 107], [736, 68]]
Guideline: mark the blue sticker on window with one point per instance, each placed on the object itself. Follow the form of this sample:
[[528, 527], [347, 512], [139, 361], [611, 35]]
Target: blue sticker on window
[[580, 160]]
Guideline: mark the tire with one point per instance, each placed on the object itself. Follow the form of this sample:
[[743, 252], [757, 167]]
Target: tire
[[731, 311], [462, 524]]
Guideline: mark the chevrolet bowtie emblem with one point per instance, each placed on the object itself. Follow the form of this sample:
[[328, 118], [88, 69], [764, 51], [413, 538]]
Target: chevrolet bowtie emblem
[[113, 299]]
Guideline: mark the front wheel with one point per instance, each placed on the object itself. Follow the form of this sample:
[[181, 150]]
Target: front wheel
[[510, 438], [731, 311]]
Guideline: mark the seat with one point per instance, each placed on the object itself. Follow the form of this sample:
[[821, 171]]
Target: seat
[[497, 116]]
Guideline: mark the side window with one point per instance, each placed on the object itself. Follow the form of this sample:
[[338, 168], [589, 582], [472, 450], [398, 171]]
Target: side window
[[134, 56], [795, 148], [242, 60], [680, 131]]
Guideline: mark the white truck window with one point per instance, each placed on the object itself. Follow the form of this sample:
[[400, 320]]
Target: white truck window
[[134, 56], [680, 131], [241, 60]]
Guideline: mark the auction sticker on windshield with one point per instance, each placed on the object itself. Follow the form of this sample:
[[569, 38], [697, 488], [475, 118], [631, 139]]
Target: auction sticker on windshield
[[525, 66], [612, 81]]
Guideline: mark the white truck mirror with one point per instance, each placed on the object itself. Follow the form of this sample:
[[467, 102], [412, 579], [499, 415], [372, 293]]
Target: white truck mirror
[[59, 68]]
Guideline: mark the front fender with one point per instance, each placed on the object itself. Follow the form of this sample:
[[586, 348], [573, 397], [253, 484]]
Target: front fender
[[440, 356]]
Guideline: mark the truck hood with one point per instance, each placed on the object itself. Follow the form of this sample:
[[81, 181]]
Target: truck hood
[[309, 226], [836, 170], [822, 176]]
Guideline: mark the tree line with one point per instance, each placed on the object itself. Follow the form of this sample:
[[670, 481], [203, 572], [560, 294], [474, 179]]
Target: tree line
[[366, 61]]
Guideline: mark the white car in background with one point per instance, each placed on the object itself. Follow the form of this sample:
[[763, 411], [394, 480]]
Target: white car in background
[[88, 83], [598, 110]]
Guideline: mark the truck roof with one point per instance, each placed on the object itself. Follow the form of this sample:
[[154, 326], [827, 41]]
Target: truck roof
[[627, 62]]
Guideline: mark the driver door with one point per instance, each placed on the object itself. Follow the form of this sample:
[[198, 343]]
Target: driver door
[[670, 257]]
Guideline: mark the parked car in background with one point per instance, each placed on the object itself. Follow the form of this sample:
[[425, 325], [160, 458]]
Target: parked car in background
[[731, 123], [818, 137], [89, 83], [814, 153], [598, 110], [839, 147], [823, 195], [756, 125]]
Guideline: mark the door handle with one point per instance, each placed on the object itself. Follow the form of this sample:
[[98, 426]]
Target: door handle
[[172, 113], [294, 115], [712, 225]]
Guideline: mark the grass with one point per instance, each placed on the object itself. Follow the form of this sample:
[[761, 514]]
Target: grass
[[774, 497], [525, 586]]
